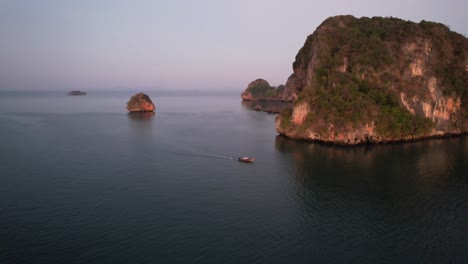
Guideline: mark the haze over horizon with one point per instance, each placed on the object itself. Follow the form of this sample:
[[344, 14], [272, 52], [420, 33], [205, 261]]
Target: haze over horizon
[[176, 45]]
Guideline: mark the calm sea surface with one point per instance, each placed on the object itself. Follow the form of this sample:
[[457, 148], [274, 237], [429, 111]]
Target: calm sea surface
[[81, 181]]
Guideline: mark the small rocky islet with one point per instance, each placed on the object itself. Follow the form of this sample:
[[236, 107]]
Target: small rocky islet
[[76, 92], [373, 80], [140, 103]]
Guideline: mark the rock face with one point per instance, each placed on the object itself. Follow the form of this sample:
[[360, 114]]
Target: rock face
[[140, 103], [291, 89], [260, 90], [76, 93], [377, 80]]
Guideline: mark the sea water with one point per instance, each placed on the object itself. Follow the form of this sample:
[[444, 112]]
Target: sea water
[[82, 181]]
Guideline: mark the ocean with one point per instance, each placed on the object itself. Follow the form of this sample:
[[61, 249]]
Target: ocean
[[83, 181]]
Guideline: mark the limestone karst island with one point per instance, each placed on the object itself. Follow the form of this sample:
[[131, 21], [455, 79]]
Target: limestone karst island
[[376, 80], [140, 103], [260, 96]]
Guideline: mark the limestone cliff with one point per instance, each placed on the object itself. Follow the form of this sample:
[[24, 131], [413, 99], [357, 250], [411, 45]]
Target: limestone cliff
[[377, 80]]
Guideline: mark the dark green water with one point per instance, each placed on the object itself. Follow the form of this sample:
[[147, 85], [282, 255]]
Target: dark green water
[[81, 181]]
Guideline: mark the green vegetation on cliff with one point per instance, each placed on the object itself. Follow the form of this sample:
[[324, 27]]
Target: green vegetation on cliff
[[261, 90], [360, 67], [285, 116]]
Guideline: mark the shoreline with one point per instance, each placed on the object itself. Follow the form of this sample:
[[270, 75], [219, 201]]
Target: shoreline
[[375, 143]]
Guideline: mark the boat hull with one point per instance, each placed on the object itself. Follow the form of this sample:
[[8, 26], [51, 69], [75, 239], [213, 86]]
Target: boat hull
[[246, 159]]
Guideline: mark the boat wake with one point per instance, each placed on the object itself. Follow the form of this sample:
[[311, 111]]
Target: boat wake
[[217, 157], [205, 155]]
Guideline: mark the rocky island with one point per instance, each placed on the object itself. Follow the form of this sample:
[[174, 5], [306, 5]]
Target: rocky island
[[140, 103], [260, 90], [76, 92], [377, 80], [260, 96]]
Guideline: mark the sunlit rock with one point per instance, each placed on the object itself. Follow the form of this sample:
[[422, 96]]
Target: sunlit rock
[[140, 103]]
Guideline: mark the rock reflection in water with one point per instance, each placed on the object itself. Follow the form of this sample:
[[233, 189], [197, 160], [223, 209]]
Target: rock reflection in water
[[381, 167], [142, 124], [141, 116], [375, 200]]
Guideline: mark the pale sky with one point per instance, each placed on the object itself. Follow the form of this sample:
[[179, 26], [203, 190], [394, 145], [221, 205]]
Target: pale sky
[[175, 45]]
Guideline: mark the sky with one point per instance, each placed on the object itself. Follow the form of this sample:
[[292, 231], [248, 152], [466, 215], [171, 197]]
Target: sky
[[175, 45]]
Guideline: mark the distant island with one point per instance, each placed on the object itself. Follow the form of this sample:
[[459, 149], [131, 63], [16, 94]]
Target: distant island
[[260, 90], [76, 93], [260, 96], [374, 80]]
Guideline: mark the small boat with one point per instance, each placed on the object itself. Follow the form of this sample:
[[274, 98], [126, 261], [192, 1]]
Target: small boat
[[246, 159]]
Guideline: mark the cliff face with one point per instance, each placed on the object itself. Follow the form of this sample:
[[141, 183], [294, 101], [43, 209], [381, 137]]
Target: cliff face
[[292, 88], [377, 80]]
